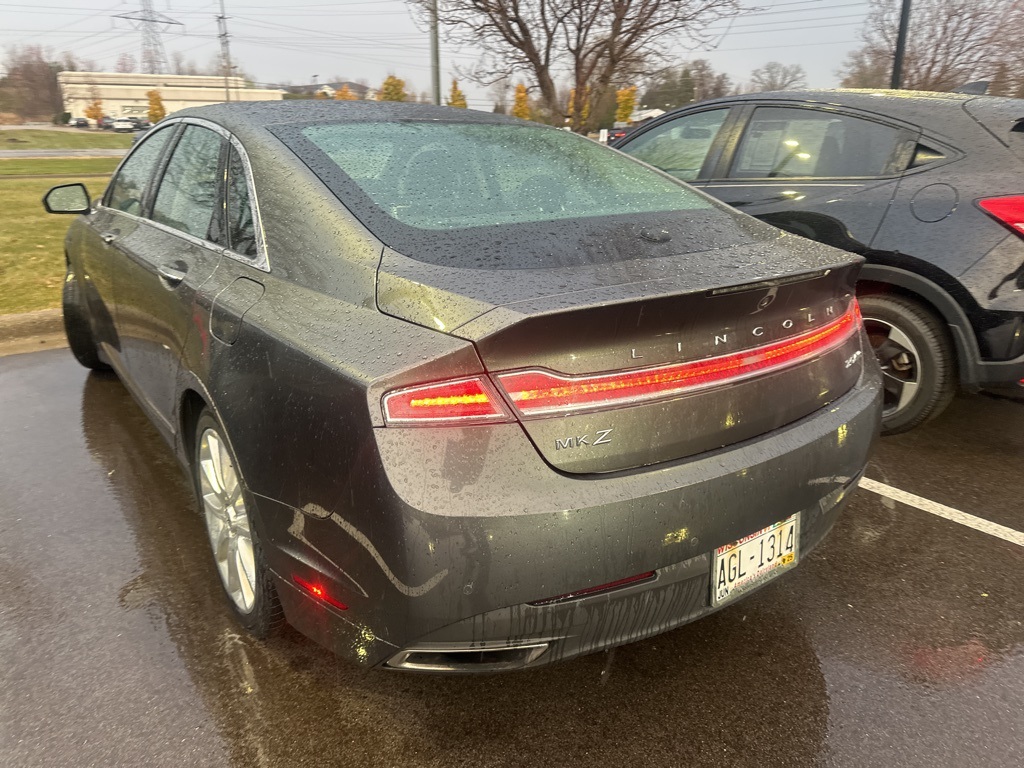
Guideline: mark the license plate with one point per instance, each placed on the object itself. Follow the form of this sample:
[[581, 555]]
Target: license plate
[[749, 562]]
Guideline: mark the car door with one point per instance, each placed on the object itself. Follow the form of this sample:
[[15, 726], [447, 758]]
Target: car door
[[116, 217], [239, 281], [820, 172], [169, 256], [687, 145]]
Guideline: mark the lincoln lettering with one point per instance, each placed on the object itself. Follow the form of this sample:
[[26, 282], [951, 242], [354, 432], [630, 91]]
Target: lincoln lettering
[[763, 332]]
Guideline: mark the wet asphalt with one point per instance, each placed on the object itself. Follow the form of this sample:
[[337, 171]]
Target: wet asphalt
[[898, 642]]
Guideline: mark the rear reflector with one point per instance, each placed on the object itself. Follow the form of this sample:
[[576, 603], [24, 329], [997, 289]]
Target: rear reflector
[[541, 393], [319, 593], [461, 401], [613, 585], [1008, 211]]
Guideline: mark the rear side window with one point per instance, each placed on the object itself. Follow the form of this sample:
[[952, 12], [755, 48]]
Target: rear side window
[[788, 143], [129, 185], [189, 190], [241, 230], [679, 146], [925, 155], [1003, 118]]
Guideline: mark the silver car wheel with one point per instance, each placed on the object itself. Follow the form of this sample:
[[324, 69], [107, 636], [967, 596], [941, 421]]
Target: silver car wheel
[[227, 521], [900, 362]]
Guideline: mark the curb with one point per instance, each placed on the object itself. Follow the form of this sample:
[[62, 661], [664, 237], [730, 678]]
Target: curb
[[44, 322], [31, 332]]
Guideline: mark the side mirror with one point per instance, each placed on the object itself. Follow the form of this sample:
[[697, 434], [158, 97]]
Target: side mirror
[[67, 198]]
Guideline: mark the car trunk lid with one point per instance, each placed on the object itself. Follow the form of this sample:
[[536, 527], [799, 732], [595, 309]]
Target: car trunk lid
[[620, 365]]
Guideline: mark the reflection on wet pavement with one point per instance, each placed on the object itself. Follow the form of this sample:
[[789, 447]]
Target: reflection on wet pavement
[[897, 643]]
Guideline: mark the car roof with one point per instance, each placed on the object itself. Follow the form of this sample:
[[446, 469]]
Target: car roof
[[247, 115], [910, 106]]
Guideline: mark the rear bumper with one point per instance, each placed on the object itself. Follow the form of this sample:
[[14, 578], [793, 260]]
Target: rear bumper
[[526, 636], [450, 561]]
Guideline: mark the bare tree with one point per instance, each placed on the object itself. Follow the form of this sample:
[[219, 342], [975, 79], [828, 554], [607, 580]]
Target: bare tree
[[775, 76], [500, 90], [708, 84], [125, 63], [600, 43], [29, 88], [177, 63], [950, 42]]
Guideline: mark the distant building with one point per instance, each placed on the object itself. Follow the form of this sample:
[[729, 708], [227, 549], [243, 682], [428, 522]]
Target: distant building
[[643, 115], [124, 93], [363, 92]]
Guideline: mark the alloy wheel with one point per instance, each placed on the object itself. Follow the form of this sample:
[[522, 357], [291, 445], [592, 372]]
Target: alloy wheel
[[227, 521], [900, 362]]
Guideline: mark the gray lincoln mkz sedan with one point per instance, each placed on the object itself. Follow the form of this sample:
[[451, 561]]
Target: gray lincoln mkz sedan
[[464, 393]]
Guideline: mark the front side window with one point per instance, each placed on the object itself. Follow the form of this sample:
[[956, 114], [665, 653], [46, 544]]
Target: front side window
[[790, 143], [241, 230], [679, 147], [126, 191], [190, 188]]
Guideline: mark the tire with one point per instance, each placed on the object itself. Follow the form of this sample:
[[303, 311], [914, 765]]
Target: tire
[[76, 326], [918, 363], [234, 542]]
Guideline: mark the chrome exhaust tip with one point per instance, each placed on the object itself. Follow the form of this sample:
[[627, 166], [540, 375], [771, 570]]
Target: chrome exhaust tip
[[447, 659]]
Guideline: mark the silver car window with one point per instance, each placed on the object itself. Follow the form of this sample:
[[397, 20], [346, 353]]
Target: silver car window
[[190, 186], [129, 185], [679, 146]]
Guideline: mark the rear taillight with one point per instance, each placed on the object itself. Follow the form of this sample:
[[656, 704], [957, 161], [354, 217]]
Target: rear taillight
[[542, 393], [1008, 211], [474, 400], [461, 401]]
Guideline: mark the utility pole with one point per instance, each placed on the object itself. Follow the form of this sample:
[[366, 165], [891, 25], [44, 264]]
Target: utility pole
[[225, 50], [150, 23], [901, 47], [435, 57]]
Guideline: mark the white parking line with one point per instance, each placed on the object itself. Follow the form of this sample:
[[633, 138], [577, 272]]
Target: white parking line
[[941, 510]]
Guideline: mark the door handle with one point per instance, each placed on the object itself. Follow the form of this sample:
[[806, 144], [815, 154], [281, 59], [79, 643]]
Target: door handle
[[171, 274], [109, 237]]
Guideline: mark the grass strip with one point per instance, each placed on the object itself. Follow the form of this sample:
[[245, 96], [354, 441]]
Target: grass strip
[[32, 244], [36, 138], [58, 166]]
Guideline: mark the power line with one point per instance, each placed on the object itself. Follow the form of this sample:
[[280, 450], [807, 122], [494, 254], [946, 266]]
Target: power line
[[788, 45]]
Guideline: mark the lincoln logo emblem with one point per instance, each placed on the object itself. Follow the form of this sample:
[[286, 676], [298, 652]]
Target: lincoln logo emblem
[[766, 300]]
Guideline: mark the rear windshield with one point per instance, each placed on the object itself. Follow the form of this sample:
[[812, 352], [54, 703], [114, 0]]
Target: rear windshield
[[485, 195], [438, 176]]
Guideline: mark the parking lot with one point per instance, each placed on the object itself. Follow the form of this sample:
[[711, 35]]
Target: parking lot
[[898, 642]]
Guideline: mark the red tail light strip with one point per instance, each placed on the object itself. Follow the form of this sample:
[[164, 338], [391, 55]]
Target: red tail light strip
[[462, 401], [542, 393]]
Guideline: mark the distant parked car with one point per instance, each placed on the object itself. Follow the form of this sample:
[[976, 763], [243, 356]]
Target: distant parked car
[[105, 122], [124, 125], [928, 187], [79, 122]]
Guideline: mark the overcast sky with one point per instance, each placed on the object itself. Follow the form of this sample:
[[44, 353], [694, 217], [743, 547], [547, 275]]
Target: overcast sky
[[368, 39]]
